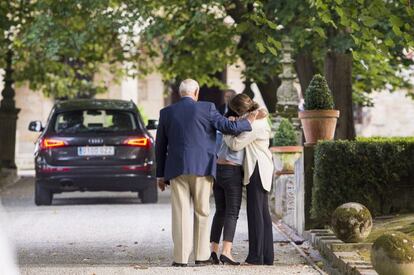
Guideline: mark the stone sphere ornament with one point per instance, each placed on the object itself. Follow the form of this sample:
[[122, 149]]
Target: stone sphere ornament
[[393, 253], [351, 222]]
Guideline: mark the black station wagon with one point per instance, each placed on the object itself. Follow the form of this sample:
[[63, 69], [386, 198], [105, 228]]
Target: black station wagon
[[94, 145]]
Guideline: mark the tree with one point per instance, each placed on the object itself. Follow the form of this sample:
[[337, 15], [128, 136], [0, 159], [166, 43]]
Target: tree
[[365, 33], [60, 46], [200, 38], [340, 39], [334, 37]]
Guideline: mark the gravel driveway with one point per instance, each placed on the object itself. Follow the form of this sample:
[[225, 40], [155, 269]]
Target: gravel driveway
[[113, 233]]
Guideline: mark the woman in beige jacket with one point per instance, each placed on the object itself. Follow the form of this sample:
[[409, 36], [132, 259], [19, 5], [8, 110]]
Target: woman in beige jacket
[[258, 175]]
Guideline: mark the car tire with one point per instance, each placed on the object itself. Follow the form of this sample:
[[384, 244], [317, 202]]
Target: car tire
[[43, 196], [149, 194]]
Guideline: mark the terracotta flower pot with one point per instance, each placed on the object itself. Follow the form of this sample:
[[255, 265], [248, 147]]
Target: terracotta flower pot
[[318, 125], [284, 158]]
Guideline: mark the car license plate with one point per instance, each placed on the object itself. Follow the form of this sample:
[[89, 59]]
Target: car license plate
[[96, 151]]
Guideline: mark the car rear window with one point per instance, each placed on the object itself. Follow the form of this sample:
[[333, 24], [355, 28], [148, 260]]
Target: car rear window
[[94, 121]]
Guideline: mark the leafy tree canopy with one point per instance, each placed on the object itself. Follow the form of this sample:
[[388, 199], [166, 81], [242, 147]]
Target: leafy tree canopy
[[59, 46], [374, 31]]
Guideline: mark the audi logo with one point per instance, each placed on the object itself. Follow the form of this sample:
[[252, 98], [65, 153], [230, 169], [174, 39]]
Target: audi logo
[[95, 141]]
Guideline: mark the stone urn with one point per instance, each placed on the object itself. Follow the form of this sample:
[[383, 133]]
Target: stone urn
[[393, 254], [351, 222], [284, 158]]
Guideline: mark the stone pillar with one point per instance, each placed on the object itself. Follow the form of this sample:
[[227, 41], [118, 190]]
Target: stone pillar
[[8, 118], [286, 189], [287, 94]]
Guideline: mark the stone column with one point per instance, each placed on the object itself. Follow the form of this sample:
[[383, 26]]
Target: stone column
[[287, 94], [8, 118]]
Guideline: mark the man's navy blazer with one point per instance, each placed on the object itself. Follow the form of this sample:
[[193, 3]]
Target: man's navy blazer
[[186, 138]]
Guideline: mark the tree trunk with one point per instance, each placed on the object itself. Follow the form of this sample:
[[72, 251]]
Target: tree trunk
[[305, 69], [268, 91], [338, 73]]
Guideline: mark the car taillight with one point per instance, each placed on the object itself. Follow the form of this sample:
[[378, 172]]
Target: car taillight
[[52, 143], [138, 142]]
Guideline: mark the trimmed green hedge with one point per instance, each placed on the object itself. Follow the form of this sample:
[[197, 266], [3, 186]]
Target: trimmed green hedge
[[377, 172]]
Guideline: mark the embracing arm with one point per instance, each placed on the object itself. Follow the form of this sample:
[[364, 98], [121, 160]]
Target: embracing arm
[[237, 143], [161, 145], [226, 126]]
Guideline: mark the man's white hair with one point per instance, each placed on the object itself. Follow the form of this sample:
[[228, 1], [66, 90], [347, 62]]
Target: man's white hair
[[188, 87]]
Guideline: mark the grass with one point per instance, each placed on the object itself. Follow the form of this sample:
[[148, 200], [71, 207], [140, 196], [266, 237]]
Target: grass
[[401, 223]]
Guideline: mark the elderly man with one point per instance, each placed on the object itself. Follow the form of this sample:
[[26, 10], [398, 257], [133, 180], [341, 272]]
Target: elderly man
[[185, 154]]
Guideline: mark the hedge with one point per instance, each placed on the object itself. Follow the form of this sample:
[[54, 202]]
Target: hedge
[[377, 172]]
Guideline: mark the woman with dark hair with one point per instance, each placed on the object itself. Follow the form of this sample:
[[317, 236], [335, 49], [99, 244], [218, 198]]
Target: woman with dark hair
[[258, 175]]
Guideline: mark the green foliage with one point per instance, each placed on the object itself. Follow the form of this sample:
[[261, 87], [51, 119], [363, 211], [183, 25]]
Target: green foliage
[[285, 135], [200, 39], [376, 32], [376, 172], [318, 96], [364, 28], [61, 46]]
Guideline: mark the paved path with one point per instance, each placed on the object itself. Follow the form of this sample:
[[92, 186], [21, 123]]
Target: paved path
[[112, 233]]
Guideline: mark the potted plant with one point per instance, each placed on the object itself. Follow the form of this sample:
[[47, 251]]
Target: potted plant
[[285, 150], [319, 117]]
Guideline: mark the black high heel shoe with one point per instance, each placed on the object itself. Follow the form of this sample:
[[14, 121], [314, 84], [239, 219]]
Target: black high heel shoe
[[226, 260], [214, 258]]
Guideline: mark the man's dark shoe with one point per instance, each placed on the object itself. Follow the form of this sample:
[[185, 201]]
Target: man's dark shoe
[[206, 262], [174, 264]]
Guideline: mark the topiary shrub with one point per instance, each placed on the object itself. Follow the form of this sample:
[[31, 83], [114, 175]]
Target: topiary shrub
[[285, 134], [318, 96], [377, 172]]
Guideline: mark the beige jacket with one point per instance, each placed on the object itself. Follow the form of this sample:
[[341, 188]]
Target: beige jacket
[[256, 144]]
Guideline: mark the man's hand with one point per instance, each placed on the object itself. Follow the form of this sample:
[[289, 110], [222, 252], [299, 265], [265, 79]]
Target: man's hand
[[161, 184], [252, 116], [232, 118]]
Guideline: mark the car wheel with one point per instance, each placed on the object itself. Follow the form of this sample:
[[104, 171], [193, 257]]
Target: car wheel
[[43, 196], [149, 195]]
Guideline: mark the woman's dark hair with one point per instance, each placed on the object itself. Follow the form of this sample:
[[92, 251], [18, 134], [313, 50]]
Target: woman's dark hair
[[242, 104]]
